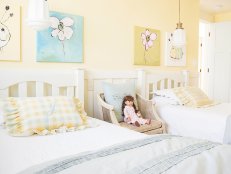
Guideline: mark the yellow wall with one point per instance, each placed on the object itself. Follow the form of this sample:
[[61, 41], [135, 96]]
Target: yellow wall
[[222, 17], [206, 16], [108, 31]]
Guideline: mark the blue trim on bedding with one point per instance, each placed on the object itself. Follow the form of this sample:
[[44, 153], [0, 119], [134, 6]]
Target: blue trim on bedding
[[165, 162], [156, 165], [62, 165]]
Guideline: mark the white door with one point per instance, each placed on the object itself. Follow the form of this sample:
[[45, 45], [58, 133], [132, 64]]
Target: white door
[[205, 57], [222, 62]]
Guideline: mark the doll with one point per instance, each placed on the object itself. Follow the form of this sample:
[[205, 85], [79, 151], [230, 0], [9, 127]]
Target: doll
[[131, 115]]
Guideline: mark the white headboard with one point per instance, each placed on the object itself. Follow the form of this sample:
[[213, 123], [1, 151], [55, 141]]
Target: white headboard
[[93, 82], [23, 83], [151, 81]]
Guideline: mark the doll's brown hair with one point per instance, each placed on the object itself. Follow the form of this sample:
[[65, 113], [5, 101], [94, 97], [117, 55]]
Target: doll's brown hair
[[128, 98]]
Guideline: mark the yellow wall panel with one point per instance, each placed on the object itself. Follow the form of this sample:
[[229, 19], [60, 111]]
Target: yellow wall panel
[[223, 17], [109, 32]]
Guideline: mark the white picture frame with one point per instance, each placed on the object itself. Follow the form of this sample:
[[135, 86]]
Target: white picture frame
[[174, 55]]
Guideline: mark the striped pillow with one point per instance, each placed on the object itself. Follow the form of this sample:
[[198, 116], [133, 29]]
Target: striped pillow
[[43, 115], [193, 97]]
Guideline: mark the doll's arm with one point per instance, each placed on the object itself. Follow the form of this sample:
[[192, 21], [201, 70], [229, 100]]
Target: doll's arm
[[127, 116], [138, 114]]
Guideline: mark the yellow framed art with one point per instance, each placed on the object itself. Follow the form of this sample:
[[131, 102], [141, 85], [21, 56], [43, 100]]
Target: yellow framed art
[[147, 46]]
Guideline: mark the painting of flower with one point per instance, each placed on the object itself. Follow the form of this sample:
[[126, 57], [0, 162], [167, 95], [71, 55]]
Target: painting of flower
[[9, 30], [62, 42], [148, 38], [174, 55], [147, 47]]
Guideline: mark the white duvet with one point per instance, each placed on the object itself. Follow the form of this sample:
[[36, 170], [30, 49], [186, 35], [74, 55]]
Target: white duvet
[[19, 154], [212, 123]]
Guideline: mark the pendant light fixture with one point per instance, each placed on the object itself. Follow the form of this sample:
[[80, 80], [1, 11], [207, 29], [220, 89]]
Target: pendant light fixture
[[38, 14], [179, 33]]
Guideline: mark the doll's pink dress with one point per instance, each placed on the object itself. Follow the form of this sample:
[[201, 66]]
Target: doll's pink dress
[[129, 111]]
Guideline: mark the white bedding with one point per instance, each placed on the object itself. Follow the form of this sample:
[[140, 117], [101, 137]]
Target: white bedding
[[19, 153], [212, 123]]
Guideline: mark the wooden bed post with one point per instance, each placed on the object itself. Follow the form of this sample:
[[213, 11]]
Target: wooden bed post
[[186, 77], [79, 83], [141, 82]]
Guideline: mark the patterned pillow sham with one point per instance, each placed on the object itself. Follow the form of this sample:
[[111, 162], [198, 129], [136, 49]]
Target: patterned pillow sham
[[43, 115], [192, 97]]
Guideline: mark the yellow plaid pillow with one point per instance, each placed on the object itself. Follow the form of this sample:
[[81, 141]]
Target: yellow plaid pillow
[[192, 96], [43, 115]]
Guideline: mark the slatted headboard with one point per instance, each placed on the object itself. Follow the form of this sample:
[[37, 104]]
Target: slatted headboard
[[148, 82], [29, 83]]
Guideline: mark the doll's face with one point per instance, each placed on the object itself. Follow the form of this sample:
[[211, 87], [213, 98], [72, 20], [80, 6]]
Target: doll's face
[[129, 103]]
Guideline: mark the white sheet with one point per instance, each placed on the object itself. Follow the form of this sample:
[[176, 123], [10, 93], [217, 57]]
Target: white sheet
[[206, 123], [19, 153], [149, 159]]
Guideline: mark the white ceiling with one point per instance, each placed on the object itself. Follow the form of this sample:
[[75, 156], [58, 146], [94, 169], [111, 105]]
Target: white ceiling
[[215, 6]]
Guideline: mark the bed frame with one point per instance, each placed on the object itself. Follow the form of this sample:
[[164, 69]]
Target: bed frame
[[148, 81], [31, 83], [23, 83]]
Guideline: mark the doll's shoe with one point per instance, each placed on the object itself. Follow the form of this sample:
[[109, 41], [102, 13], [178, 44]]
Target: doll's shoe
[[137, 124]]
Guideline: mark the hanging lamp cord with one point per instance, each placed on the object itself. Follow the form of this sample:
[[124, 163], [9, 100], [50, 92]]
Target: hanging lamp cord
[[179, 11]]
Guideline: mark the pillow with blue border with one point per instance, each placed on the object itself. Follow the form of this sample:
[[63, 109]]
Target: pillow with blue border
[[114, 94]]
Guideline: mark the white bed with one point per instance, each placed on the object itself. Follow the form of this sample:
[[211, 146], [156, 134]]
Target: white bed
[[19, 153], [212, 123], [49, 154], [28, 152]]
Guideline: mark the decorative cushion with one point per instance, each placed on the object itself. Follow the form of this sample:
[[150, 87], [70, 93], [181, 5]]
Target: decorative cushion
[[144, 128], [196, 97], [187, 96], [43, 115], [114, 94], [193, 97]]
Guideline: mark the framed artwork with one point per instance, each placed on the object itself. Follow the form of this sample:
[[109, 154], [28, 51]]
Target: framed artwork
[[10, 30], [174, 55], [147, 46], [62, 41]]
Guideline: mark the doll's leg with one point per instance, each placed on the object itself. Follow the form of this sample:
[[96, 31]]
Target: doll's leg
[[144, 121], [135, 121], [149, 121]]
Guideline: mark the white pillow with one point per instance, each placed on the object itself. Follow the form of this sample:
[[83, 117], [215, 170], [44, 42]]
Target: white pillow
[[164, 100], [168, 94]]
